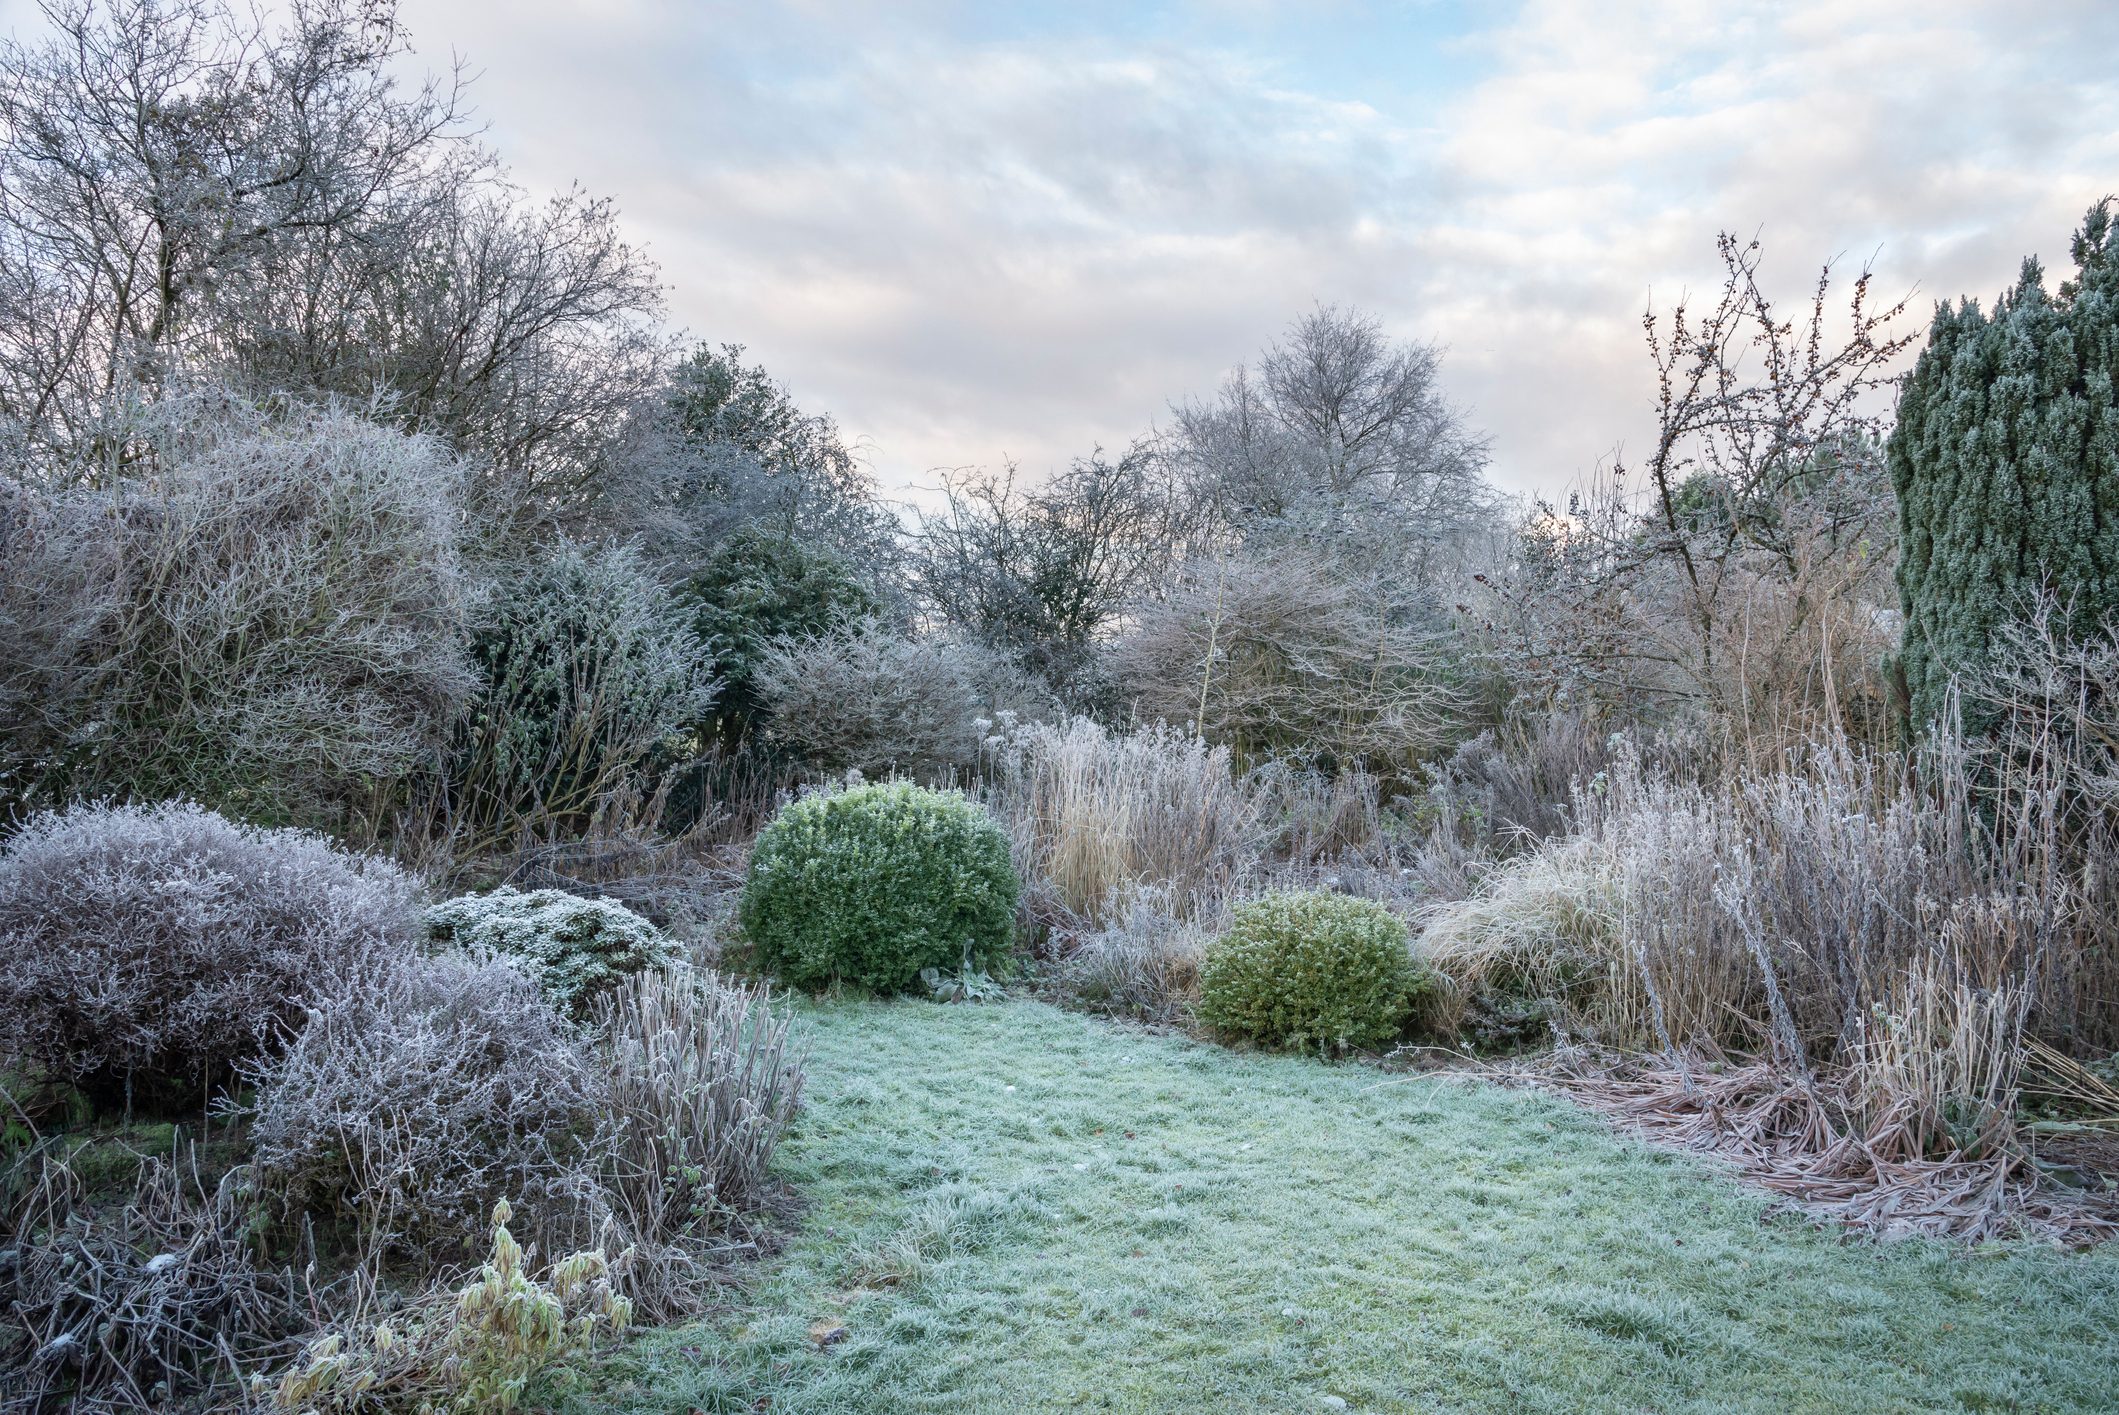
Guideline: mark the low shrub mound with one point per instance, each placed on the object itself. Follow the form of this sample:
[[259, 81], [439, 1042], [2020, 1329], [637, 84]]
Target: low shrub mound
[[148, 951], [872, 884], [576, 949], [1311, 971], [415, 1098]]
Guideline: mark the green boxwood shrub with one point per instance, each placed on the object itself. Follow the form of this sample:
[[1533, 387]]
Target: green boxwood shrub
[[575, 949], [1310, 970], [871, 884]]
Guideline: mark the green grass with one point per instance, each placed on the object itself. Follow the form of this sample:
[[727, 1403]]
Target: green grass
[[1014, 1208]]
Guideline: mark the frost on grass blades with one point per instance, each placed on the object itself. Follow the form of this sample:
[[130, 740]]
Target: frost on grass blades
[[541, 869]]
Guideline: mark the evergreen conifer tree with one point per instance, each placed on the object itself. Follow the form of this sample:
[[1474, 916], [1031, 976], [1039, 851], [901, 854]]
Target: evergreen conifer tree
[[2006, 464]]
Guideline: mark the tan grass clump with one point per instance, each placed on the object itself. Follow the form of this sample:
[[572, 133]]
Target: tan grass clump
[[1544, 925], [1096, 814]]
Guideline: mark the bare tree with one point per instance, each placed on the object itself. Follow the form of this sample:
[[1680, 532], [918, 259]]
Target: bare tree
[[1744, 570], [1339, 427], [186, 187], [1044, 572]]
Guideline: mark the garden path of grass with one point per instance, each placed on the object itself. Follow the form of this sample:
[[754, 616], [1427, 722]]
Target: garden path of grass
[[1084, 1216]]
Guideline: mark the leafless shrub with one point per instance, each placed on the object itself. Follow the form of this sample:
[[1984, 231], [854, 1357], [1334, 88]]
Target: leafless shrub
[[1329, 819], [685, 883], [1143, 964], [2045, 707], [1280, 659], [415, 1097], [160, 947], [158, 1302], [1096, 814], [702, 1084], [869, 700], [265, 615]]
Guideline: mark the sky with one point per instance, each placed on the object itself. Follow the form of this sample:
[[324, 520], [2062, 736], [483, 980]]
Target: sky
[[988, 232]]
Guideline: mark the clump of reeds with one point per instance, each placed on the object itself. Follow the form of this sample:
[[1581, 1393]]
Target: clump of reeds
[[702, 1083]]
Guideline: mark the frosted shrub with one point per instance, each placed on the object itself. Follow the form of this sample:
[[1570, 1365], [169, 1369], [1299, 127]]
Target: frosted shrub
[[152, 948], [873, 884], [266, 614], [1312, 971], [865, 699], [1279, 658], [587, 666], [415, 1098], [91, 1327], [576, 949]]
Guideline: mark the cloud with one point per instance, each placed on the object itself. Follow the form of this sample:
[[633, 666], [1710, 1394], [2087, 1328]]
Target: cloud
[[972, 238], [1943, 140]]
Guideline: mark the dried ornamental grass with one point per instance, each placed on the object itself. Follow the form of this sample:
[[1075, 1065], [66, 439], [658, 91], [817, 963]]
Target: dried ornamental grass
[[1098, 814], [702, 1083]]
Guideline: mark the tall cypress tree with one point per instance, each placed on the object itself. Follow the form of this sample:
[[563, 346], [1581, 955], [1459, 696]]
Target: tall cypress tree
[[2006, 464]]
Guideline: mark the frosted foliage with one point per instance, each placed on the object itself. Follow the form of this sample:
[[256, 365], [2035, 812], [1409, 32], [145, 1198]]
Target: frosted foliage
[[417, 1097], [576, 949], [267, 615], [141, 945]]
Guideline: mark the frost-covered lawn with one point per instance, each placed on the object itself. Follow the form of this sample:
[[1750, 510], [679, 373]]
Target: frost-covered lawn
[[1014, 1208]]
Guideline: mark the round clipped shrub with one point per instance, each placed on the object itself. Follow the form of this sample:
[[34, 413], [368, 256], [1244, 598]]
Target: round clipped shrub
[[576, 949], [1310, 970], [871, 884], [148, 950]]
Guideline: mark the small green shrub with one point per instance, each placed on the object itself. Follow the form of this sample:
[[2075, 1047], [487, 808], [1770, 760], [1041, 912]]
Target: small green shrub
[[872, 884], [470, 1350], [577, 949], [1310, 970]]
